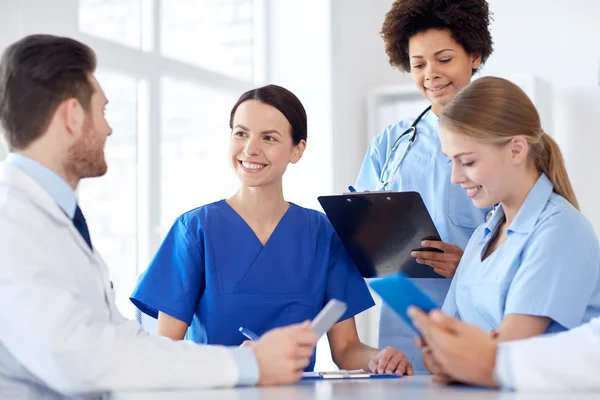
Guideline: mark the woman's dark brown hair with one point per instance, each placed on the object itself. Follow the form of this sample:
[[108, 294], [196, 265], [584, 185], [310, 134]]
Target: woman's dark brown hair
[[283, 100]]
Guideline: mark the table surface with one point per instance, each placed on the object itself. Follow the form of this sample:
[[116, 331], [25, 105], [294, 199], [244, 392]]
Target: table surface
[[417, 387]]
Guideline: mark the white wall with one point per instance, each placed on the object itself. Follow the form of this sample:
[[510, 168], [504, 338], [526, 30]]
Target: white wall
[[359, 63], [10, 18], [559, 41], [3, 150], [298, 57], [10, 27]]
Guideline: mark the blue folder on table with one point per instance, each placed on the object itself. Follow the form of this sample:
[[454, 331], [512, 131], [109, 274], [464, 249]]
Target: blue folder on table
[[309, 376]]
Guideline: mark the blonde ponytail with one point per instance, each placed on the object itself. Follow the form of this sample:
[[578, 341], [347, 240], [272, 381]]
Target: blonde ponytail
[[494, 110], [550, 161]]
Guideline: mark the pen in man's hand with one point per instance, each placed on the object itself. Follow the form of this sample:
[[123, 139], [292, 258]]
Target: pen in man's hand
[[249, 334]]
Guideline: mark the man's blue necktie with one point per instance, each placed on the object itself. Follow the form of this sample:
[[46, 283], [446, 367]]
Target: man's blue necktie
[[81, 225]]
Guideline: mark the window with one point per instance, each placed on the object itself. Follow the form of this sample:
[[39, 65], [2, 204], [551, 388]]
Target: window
[[212, 34], [172, 70], [194, 142], [115, 20], [110, 202]]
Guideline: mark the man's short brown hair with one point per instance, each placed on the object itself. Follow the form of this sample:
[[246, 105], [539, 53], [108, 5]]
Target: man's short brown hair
[[37, 73]]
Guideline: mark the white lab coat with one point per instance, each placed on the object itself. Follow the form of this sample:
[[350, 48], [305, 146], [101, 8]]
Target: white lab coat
[[564, 361], [60, 331]]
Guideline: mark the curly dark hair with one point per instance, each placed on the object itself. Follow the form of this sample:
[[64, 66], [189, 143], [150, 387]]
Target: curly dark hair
[[467, 20]]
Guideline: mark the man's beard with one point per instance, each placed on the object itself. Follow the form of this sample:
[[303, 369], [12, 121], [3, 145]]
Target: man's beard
[[86, 157]]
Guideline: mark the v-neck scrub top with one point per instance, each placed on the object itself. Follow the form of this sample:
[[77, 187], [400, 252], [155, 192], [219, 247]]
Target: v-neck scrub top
[[213, 273], [549, 266]]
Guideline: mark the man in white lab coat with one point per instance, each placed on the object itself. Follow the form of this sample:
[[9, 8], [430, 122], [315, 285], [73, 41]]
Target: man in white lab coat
[[564, 361], [60, 332]]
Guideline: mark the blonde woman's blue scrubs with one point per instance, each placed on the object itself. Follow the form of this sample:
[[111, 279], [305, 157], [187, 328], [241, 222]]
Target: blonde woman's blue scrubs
[[213, 273], [425, 170], [549, 266]]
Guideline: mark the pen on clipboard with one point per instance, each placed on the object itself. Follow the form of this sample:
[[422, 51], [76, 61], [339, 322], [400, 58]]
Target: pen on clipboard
[[249, 334], [351, 189]]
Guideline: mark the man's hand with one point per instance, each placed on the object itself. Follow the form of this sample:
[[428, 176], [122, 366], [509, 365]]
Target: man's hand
[[444, 263], [463, 352], [431, 363], [283, 353], [390, 361]]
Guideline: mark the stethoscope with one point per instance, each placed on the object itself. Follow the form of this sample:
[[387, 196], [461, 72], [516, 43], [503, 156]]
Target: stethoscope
[[412, 131]]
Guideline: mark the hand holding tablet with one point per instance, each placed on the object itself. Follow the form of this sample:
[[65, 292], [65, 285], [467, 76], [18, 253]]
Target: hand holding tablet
[[329, 315], [399, 292]]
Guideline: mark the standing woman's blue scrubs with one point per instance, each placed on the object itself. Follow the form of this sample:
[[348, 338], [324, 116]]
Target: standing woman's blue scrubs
[[425, 170], [213, 273], [548, 267]]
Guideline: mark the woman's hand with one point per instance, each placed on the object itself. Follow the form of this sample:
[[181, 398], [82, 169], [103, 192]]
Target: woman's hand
[[390, 361], [444, 263]]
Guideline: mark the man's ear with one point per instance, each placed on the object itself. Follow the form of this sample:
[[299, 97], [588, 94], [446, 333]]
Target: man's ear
[[72, 116]]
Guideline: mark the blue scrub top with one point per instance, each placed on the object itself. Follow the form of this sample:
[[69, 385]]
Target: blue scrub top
[[213, 273], [549, 266], [425, 170]]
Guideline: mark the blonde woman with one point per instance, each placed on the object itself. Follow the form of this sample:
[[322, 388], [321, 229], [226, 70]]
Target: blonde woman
[[534, 267]]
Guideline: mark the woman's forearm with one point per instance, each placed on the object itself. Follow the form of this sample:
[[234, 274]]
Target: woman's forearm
[[355, 356]]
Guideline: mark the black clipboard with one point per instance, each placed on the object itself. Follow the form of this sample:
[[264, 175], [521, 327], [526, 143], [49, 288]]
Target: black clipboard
[[380, 229]]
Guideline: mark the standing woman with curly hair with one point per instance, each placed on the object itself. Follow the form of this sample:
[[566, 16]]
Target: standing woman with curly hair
[[442, 43]]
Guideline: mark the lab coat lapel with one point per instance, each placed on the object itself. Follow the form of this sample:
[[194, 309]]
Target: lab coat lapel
[[14, 177]]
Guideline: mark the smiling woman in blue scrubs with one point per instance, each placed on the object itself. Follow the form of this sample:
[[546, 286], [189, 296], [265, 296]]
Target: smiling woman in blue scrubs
[[442, 44], [255, 260], [534, 267]]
